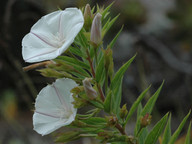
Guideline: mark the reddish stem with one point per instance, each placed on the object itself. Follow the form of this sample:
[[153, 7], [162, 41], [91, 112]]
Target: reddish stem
[[101, 93], [91, 64], [119, 127]]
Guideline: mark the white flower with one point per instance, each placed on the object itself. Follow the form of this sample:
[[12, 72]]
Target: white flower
[[52, 35], [53, 107]]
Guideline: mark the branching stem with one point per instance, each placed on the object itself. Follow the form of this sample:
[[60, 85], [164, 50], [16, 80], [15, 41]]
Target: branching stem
[[121, 130]]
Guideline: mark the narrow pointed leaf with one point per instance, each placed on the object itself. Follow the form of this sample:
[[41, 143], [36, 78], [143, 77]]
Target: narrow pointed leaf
[[106, 23], [68, 67], [108, 102], [137, 125], [151, 102], [96, 104], [95, 121], [106, 11], [48, 72], [188, 136], [177, 132], [167, 132], [156, 131], [74, 61], [109, 25], [135, 104], [115, 38], [119, 74], [116, 97], [142, 135], [68, 136], [76, 51], [99, 70]]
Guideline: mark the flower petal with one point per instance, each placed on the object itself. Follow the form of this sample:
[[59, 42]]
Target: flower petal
[[45, 125], [53, 107], [52, 35], [71, 22], [34, 49]]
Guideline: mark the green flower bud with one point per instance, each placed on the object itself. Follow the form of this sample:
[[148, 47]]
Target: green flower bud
[[123, 111], [87, 17]]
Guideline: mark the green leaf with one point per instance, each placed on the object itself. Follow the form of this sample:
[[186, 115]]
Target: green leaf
[[135, 104], [156, 131], [108, 26], [188, 136], [177, 132], [96, 104], [62, 65], [116, 86], [119, 74], [74, 62], [151, 102], [116, 97], [147, 108], [99, 70], [115, 38], [104, 13], [108, 102], [82, 39], [142, 135], [68, 136], [48, 72], [137, 125], [76, 51], [96, 121], [167, 132], [106, 23]]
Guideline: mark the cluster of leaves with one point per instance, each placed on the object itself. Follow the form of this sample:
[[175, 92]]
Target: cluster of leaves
[[85, 59]]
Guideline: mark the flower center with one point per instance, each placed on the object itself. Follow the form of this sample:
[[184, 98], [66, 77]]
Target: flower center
[[64, 113], [57, 40]]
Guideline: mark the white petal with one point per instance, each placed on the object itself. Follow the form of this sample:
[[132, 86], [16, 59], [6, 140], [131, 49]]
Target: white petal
[[71, 22], [34, 49], [52, 35], [45, 125], [53, 106], [48, 25]]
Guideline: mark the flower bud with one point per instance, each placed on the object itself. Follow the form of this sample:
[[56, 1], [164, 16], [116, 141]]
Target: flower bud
[[111, 120], [87, 11], [91, 93], [123, 111], [87, 17], [96, 29], [146, 120]]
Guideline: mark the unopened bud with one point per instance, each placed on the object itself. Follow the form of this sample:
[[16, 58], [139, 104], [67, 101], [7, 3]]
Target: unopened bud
[[111, 120], [146, 120], [87, 11], [123, 111], [91, 93], [87, 17], [96, 29]]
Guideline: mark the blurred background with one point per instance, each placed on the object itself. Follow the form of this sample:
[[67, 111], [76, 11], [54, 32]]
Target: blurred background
[[159, 31]]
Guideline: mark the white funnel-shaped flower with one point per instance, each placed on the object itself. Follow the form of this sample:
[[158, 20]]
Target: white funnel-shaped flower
[[52, 35], [53, 107]]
